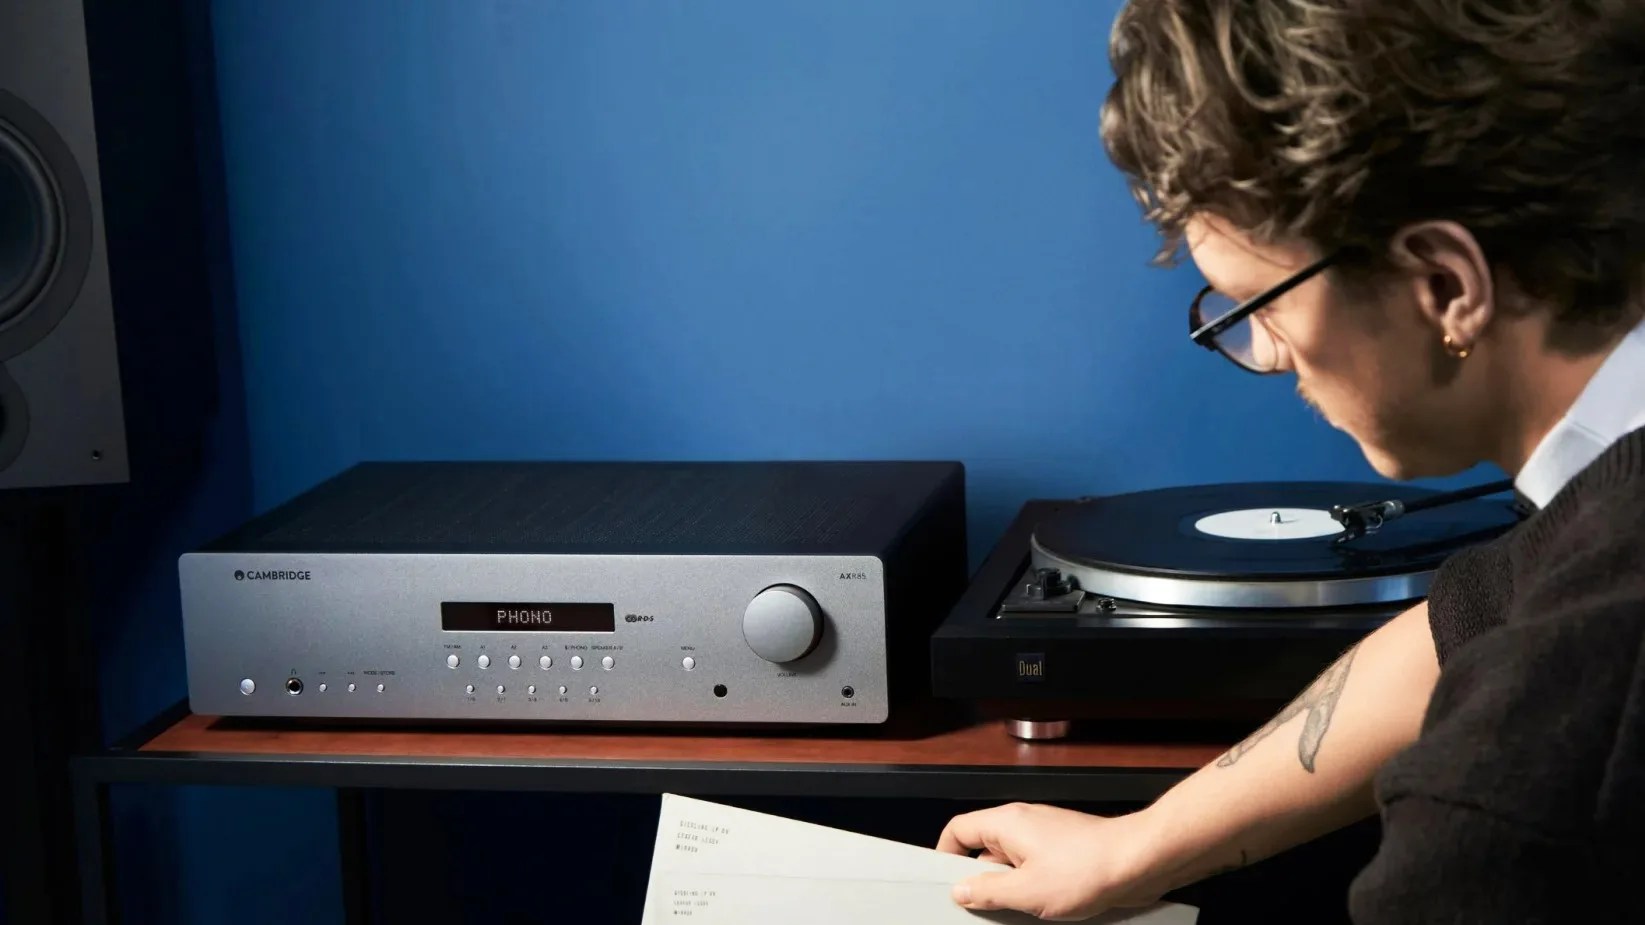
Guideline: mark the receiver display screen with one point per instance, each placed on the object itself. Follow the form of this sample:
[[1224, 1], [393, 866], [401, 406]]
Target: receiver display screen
[[472, 616]]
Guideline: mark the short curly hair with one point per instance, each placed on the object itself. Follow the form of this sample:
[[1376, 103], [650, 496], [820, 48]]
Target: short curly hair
[[1338, 121]]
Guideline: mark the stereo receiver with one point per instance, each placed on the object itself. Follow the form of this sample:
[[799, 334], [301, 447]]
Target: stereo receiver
[[784, 593]]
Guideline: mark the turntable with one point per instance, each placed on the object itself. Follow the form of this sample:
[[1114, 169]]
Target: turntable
[[1213, 603]]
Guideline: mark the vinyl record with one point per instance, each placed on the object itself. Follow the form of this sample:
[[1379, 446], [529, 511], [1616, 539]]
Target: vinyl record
[[1259, 544]]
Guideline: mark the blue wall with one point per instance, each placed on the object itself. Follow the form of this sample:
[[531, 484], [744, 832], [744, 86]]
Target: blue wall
[[713, 229], [707, 229]]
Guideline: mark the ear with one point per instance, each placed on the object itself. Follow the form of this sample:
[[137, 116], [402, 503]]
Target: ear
[[1449, 276]]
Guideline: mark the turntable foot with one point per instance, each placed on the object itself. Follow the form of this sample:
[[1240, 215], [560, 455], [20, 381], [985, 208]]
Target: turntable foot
[[1037, 728]]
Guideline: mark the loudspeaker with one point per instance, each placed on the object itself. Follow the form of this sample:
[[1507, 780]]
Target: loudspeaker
[[62, 421]]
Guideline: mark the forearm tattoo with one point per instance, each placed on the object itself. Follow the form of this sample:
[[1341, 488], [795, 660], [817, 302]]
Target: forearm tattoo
[[1244, 859], [1319, 701]]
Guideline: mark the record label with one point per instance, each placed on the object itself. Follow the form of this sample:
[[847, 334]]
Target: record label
[[1269, 523]]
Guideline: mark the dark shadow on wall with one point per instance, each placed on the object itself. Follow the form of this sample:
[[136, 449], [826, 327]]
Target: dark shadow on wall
[[173, 290], [89, 606], [161, 166]]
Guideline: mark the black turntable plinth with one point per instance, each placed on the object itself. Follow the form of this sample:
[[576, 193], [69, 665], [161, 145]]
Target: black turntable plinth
[[1205, 603]]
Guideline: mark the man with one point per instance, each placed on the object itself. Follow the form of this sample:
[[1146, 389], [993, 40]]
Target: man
[[1432, 214]]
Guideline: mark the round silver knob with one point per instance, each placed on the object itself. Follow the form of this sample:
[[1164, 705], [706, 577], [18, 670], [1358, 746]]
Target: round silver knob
[[782, 623]]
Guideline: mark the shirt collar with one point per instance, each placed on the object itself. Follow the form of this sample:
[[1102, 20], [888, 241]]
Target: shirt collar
[[1611, 405]]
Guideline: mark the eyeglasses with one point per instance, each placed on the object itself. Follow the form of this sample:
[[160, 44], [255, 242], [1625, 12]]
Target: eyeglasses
[[1233, 332]]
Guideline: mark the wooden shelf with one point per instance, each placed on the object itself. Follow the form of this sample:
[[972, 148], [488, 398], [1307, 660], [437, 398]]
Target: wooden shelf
[[975, 744], [942, 757]]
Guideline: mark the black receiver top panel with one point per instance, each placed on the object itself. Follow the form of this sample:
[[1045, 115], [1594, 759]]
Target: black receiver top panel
[[683, 508]]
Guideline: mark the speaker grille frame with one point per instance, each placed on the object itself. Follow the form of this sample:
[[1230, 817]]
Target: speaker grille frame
[[75, 226]]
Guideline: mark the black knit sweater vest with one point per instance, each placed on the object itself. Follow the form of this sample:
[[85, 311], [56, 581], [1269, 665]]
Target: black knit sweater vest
[[1524, 798]]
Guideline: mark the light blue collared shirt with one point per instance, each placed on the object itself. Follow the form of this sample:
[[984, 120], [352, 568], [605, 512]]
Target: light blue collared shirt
[[1611, 405]]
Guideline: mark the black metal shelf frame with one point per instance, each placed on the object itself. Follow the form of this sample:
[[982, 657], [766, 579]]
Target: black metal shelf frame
[[352, 775]]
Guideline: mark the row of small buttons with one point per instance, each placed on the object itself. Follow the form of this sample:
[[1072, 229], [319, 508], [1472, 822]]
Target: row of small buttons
[[532, 689], [249, 687], [545, 663]]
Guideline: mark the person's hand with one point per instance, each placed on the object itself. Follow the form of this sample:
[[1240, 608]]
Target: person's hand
[[1066, 865]]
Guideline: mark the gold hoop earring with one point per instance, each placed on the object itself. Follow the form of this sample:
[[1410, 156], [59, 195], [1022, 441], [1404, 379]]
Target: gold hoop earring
[[1455, 349]]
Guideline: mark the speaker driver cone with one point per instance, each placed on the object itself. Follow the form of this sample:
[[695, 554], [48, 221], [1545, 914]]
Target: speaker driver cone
[[30, 225], [14, 420], [45, 227]]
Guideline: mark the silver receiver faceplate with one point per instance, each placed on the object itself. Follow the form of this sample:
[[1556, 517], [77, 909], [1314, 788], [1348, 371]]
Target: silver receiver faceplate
[[360, 636]]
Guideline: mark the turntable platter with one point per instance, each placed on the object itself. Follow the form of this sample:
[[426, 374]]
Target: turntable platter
[[1258, 545]]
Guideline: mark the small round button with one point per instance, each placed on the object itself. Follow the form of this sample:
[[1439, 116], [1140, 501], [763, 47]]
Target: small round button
[[500, 688], [452, 661], [381, 688], [576, 663], [545, 663], [351, 688], [483, 661], [532, 689], [322, 687], [562, 690], [594, 691], [513, 661], [608, 663], [469, 689], [248, 687], [688, 663]]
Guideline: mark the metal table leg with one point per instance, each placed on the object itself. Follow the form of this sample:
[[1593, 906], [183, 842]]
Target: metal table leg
[[352, 844], [52, 712], [91, 824]]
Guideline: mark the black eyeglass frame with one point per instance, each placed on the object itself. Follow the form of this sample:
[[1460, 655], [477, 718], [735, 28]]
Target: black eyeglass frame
[[1205, 333]]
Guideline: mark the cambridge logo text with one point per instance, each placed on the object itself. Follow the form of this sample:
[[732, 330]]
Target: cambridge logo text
[[272, 575]]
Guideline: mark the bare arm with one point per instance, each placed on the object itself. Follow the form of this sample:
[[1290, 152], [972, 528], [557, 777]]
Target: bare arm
[[1308, 770]]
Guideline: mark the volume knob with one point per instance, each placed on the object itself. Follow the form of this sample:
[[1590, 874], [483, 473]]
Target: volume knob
[[782, 623]]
